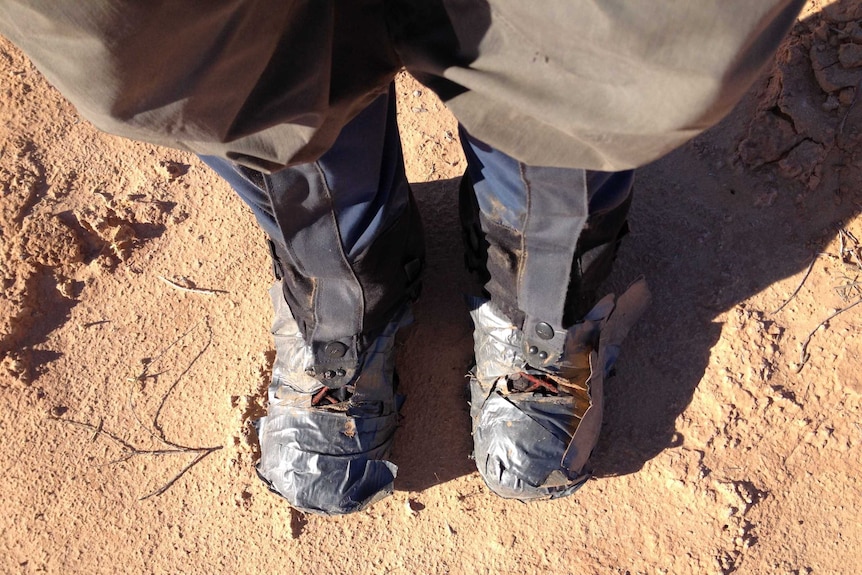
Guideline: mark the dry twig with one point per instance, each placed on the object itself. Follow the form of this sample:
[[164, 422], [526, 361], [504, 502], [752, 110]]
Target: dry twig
[[844, 234], [850, 107], [803, 352], [155, 430], [200, 291], [202, 453], [851, 286], [799, 287]]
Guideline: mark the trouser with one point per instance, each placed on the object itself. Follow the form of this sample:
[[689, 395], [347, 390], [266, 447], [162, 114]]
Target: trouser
[[347, 241], [344, 233], [345, 237]]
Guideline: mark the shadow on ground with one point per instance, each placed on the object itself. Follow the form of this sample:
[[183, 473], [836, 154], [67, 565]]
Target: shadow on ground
[[704, 242]]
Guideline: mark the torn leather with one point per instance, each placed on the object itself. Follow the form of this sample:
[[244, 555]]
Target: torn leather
[[329, 458], [531, 445]]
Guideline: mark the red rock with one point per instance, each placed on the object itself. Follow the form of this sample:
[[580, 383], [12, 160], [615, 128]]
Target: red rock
[[769, 137], [850, 55]]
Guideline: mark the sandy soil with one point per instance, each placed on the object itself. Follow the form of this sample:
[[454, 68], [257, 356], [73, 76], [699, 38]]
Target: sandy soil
[[732, 434]]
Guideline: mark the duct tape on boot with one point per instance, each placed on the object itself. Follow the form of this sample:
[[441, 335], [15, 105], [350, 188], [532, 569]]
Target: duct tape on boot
[[328, 457], [534, 429]]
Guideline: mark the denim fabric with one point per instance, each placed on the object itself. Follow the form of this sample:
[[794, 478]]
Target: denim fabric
[[498, 180], [345, 236], [532, 218], [542, 209], [363, 174]]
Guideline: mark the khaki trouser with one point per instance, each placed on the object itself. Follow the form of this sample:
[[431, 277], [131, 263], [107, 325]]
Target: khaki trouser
[[603, 85]]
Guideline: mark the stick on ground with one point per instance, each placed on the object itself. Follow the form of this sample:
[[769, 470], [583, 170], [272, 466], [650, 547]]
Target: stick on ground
[[803, 352], [799, 287], [200, 291], [154, 430]]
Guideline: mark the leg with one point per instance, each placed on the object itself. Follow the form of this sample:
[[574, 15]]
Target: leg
[[572, 216], [543, 239], [347, 249]]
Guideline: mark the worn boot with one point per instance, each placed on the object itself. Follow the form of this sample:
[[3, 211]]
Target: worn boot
[[535, 425], [347, 249], [324, 445], [542, 240]]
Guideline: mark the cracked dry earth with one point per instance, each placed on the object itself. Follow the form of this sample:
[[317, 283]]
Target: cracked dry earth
[[135, 352]]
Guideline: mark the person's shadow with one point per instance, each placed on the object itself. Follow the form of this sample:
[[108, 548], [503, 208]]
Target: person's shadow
[[708, 232]]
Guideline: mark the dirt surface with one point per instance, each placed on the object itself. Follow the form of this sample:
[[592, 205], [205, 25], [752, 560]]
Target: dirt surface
[[134, 318]]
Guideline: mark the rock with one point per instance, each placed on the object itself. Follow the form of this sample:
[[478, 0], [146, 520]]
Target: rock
[[800, 98], [835, 77], [829, 73], [803, 163], [850, 55], [58, 410], [822, 56], [854, 32], [846, 96], [769, 137], [840, 12]]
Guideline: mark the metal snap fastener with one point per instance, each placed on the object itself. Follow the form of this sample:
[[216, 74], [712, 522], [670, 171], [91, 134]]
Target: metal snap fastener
[[329, 374], [533, 350], [335, 349], [544, 330], [341, 373], [543, 355]]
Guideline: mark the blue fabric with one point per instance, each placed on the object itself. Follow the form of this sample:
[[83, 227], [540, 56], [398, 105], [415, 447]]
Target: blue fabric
[[363, 174], [360, 183], [498, 180], [363, 177]]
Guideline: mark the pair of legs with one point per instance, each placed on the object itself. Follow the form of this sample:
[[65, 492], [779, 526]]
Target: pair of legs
[[570, 85], [347, 248]]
